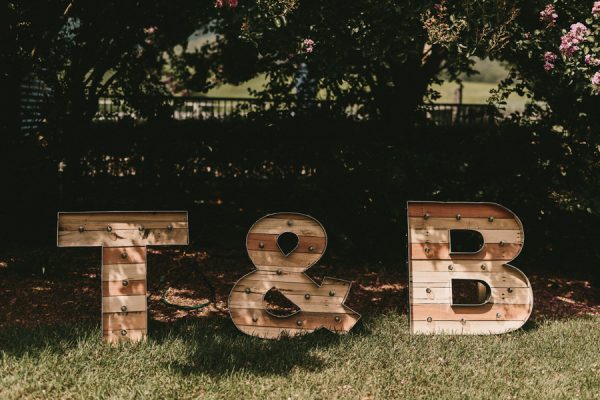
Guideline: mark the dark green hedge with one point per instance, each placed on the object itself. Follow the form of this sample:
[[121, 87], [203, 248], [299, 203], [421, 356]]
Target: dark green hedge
[[354, 177]]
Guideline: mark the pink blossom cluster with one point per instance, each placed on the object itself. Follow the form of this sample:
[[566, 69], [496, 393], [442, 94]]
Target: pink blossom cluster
[[549, 15], [549, 59], [596, 9], [596, 79], [230, 3], [591, 60], [569, 43], [308, 45]]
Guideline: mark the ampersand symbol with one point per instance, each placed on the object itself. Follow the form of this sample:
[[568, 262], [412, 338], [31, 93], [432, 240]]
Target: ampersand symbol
[[319, 306]]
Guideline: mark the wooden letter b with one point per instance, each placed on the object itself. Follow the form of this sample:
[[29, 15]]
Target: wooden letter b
[[437, 267]]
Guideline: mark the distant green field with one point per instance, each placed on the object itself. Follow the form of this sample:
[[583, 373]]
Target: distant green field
[[474, 92]]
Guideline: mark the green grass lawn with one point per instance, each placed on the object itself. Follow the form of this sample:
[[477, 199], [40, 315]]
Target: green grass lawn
[[211, 359]]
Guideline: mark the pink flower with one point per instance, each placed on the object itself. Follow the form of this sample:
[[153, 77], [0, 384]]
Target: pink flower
[[150, 30], [596, 79], [590, 60], [219, 4], [579, 30], [549, 58], [549, 15], [570, 41], [233, 3], [308, 45], [596, 9]]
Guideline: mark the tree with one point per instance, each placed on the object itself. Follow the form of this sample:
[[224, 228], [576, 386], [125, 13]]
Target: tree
[[381, 55]]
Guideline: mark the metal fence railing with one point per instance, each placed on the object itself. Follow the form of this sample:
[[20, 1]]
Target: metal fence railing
[[201, 108]]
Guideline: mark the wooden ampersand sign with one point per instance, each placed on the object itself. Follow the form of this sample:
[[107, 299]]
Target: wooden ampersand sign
[[123, 237], [437, 265], [320, 306]]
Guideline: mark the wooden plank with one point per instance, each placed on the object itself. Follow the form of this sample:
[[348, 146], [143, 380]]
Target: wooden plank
[[269, 243], [463, 223], [271, 333], [120, 226], [301, 226], [118, 272], [491, 312], [299, 261], [131, 303], [468, 328], [129, 217], [122, 238], [117, 336], [510, 278], [326, 304], [489, 235], [129, 321], [441, 251], [443, 295], [309, 320], [124, 255], [123, 288], [273, 276], [450, 210], [458, 266], [340, 287]]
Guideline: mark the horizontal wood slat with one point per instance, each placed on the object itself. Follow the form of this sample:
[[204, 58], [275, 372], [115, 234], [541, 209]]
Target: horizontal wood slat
[[128, 217], [120, 226], [271, 333], [450, 210], [294, 287], [274, 277], [331, 304], [301, 226], [132, 335], [441, 251], [269, 243], [123, 287], [463, 223], [310, 320], [293, 262], [443, 295], [131, 303], [122, 238], [129, 321], [443, 235], [466, 328], [487, 312], [118, 272], [510, 278], [458, 266], [124, 255]]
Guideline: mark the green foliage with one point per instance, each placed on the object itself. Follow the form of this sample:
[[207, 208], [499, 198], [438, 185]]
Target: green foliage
[[85, 50], [379, 359], [380, 55]]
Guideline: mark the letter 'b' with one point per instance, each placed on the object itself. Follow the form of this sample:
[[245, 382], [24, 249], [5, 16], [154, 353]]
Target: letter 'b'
[[437, 267]]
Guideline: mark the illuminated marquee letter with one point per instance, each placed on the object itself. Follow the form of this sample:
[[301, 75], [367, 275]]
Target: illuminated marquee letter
[[320, 306], [438, 267], [123, 237]]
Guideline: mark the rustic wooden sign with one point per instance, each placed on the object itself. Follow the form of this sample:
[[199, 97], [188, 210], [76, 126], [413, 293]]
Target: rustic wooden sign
[[436, 267], [123, 237], [320, 306]]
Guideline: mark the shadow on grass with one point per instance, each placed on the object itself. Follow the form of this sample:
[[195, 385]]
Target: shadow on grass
[[212, 346], [217, 348]]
